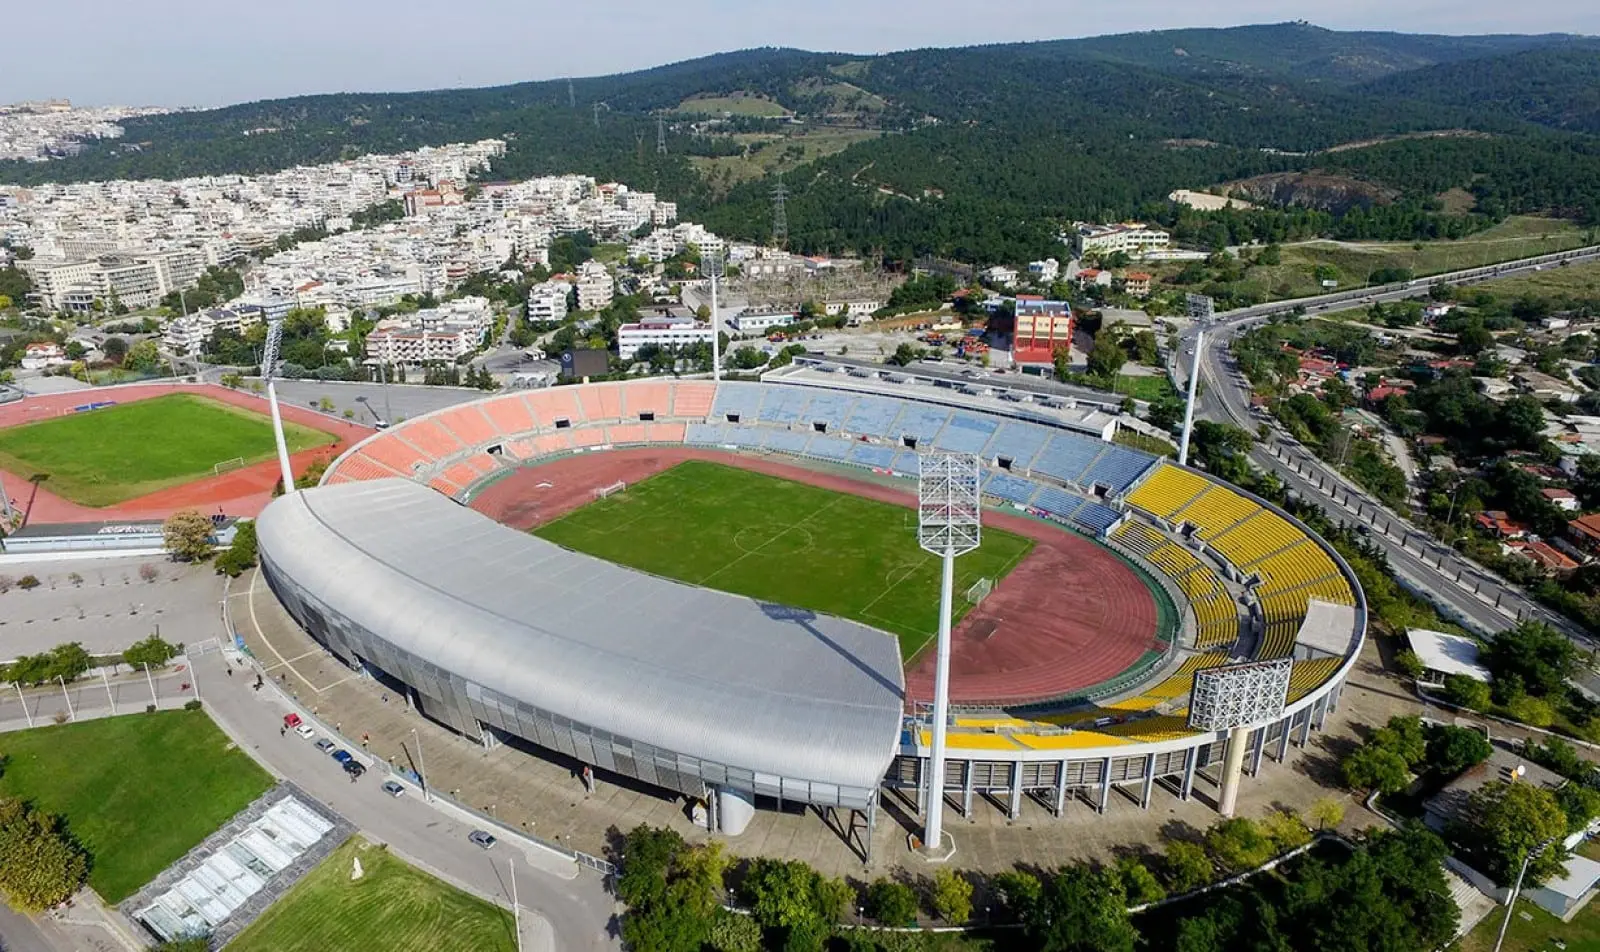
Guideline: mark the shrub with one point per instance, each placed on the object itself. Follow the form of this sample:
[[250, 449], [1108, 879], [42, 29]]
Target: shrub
[[952, 897], [1285, 829], [1466, 692], [28, 582], [1408, 664], [1138, 882], [1239, 844], [891, 903], [1328, 813], [1187, 867], [192, 705], [149, 572], [1530, 710], [6, 582]]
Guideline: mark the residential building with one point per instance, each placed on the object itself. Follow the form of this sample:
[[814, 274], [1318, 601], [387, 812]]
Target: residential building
[[1549, 559], [999, 276], [1544, 386], [1136, 283], [596, 287], [1584, 532], [759, 322], [548, 301], [1042, 328], [1131, 238], [1044, 271], [1562, 499], [1500, 525], [666, 332], [43, 356]]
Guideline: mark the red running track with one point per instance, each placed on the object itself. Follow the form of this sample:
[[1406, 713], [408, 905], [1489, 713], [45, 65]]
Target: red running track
[[242, 492], [1070, 616]]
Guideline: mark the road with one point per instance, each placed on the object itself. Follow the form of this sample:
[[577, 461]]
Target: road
[[1462, 588], [576, 910]]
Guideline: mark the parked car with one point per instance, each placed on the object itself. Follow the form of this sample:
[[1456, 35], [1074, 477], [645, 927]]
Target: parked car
[[304, 730], [483, 838], [393, 789], [324, 745], [291, 720], [342, 756], [354, 768]]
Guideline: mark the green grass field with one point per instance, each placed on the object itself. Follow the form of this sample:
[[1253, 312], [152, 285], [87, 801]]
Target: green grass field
[[776, 540], [392, 907], [138, 791], [104, 457], [1538, 932]]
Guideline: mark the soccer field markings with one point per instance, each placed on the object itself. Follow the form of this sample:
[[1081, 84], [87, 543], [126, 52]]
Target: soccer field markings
[[798, 524]]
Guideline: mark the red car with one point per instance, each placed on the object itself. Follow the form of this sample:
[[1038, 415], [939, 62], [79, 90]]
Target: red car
[[291, 720]]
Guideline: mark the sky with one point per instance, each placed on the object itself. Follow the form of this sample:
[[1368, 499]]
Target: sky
[[194, 53]]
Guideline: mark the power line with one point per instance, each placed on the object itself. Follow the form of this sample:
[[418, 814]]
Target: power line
[[572, 97], [780, 215], [661, 135]]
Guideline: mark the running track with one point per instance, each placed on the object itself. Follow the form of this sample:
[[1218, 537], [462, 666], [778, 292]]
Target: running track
[[1070, 616], [243, 492]]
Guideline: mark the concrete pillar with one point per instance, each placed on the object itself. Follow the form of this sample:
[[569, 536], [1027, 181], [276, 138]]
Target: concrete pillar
[[1191, 760], [1014, 809], [1283, 737], [966, 794], [1105, 785], [1305, 725], [735, 808], [1232, 770], [922, 786], [1061, 788], [1149, 780], [1261, 748]]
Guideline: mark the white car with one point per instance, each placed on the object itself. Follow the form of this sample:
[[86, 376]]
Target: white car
[[304, 730]]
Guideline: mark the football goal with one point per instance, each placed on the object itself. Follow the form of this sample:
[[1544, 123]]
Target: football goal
[[980, 590], [610, 490], [227, 465]]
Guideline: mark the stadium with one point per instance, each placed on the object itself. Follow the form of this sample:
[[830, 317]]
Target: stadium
[[715, 589]]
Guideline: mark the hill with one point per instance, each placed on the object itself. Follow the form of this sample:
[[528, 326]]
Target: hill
[[982, 152]]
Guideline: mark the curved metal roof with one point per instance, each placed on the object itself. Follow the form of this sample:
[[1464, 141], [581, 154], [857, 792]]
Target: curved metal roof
[[693, 671]]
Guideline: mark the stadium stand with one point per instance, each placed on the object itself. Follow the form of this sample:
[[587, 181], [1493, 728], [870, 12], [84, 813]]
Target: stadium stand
[[1095, 517], [470, 426], [742, 400], [692, 401], [785, 405], [871, 416], [624, 433], [510, 414], [433, 439], [874, 455], [1067, 456], [965, 433], [1168, 490], [829, 409], [1058, 502], [906, 462], [922, 423], [1019, 443], [646, 397], [1117, 469], [1011, 488]]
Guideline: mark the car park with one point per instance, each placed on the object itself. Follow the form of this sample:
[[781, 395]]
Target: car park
[[482, 838], [393, 789]]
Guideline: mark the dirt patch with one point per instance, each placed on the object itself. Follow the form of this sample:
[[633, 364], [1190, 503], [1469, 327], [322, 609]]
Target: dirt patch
[[1069, 616]]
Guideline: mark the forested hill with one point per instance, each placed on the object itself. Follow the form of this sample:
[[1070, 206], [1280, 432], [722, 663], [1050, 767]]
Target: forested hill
[[982, 152]]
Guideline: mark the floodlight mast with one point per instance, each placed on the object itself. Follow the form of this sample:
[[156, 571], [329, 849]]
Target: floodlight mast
[[949, 506], [714, 268], [1200, 309], [1238, 698], [269, 366]]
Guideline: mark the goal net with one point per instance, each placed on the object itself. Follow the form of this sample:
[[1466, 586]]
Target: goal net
[[980, 590], [610, 490], [228, 465]]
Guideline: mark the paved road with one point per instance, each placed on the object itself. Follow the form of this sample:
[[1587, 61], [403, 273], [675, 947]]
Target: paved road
[[1475, 596], [575, 909], [18, 933]]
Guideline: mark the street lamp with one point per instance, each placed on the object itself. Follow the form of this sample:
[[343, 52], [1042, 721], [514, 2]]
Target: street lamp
[[422, 771], [1511, 901]]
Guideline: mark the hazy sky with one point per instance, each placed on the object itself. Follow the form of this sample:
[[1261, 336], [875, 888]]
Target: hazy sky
[[188, 52]]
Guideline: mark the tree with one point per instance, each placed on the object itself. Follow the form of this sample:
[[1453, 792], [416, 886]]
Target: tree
[[1375, 768], [1285, 829], [187, 535], [903, 355], [1404, 736], [671, 890], [1536, 654], [241, 553], [748, 358], [142, 357], [791, 897], [1107, 356], [1187, 867], [1239, 844], [1508, 821], [1581, 804], [1533, 711], [152, 651], [1467, 692], [115, 349], [1018, 892], [891, 903], [1082, 910], [1140, 885], [1408, 664], [1328, 813], [1453, 749], [731, 932], [39, 866], [952, 897]]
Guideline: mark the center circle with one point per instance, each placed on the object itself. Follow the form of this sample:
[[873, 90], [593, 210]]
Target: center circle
[[791, 541]]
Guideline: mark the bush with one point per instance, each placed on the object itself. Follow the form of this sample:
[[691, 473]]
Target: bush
[[1286, 830], [1531, 711], [193, 705], [28, 582], [891, 903], [1408, 664], [1187, 867], [952, 897], [148, 572], [1138, 882], [1466, 692], [1239, 844]]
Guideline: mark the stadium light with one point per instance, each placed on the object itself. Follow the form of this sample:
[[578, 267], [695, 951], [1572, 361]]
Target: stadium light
[[1201, 310], [1237, 698], [949, 504], [714, 268], [269, 364]]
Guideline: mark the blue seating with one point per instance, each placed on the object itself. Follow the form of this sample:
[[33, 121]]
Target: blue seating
[[1058, 501], [1007, 486], [1067, 456], [707, 434], [785, 441], [907, 462], [1117, 468], [1018, 442], [873, 454], [828, 447], [966, 434], [921, 422], [829, 408], [743, 399], [784, 404], [1095, 517], [872, 417]]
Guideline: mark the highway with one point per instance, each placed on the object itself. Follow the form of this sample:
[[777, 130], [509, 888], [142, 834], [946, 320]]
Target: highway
[[1462, 589]]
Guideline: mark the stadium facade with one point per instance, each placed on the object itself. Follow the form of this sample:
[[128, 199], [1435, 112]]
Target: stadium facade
[[498, 634]]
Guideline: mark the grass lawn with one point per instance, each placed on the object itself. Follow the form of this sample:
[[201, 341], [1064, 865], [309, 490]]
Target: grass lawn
[[138, 791], [734, 105], [392, 907], [1576, 280], [1536, 934], [103, 457], [1145, 386], [769, 538]]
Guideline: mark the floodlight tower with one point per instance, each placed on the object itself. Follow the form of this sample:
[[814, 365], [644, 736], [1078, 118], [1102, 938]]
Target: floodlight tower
[[1238, 698], [269, 366], [1201, 310], [714, 268], [949, 505]]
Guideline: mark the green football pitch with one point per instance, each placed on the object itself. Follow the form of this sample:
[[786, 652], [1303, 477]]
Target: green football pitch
[[103, 457], [768, 538]]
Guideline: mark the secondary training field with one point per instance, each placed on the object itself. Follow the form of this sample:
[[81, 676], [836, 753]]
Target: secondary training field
[[391, 907], [104, 457], [775, 540], [138, 792], [1070, 616]]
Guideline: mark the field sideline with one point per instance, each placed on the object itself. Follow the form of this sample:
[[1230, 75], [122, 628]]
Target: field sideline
[[768, 538], [104, 457]]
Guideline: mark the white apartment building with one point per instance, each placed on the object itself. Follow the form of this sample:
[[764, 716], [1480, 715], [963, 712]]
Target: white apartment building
[[759, 322], [596, 287], [999, 276], [853, 309], [412, 346], [548, 301], [188, 335], [663, 333], [1130, 237], [1047, 270]]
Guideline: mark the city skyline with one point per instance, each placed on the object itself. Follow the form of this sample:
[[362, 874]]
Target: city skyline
[[207, 56]]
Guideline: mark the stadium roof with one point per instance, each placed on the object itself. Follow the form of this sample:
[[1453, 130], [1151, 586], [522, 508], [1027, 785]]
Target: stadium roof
[[686, 669]]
